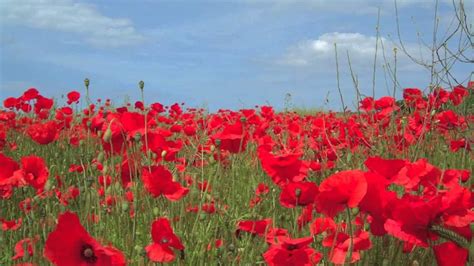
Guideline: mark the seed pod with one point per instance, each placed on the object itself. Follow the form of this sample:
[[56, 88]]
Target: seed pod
[[100, 157]]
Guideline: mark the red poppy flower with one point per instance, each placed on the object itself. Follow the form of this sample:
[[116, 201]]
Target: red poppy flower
[[452, 177], [30, 94], [7, 181], [43, 103], [321, 225], [376, 200], [163, 240], [157, 143], [449, 253], [456, 207], [283, 168], [438, 97], [71, 244], [73, 97], [419, 172], [298, 194], [133, 123], [232, 138], [258, 227], [43, 133], [10, 102], [411, 218], [341, 190], [21, 246], [292, 252], [367, 104], [448, 120], [387, 168], [33, 171], [159, 181], [458, 94], [340, 244], [458, 144], [410, 95], [385, 103], [157, 107], [11, 225], [139, 105]]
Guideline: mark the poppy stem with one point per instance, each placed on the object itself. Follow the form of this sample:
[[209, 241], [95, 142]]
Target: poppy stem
[[349, 226]]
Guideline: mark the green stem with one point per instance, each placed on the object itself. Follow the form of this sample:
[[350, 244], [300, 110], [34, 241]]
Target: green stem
[[351, 243]]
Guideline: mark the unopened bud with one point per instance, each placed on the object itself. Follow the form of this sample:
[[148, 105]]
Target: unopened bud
[[137, 137], [48, 185], [86, 82], [125, 206], [141, 84], [100, 157], [355, 211], [107, 135]]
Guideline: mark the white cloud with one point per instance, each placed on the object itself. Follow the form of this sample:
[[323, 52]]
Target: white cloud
[[320, 52], [68, 16], [310, 52]]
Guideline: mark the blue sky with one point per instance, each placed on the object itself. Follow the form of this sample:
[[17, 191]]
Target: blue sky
[[216, 54]]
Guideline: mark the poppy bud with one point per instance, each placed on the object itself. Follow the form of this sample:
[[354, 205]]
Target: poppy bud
[[125, 206], [100, 157], [218, 142], [231, 247], [105, 170], [48, 185], [107, 135], [137, 137], [86, 82], [156, 211], [355, 211], [138, 248], [202, 216], [141, 84]]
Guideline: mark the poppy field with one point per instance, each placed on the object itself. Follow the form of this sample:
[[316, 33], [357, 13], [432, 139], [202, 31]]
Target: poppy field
[[88, 182]]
